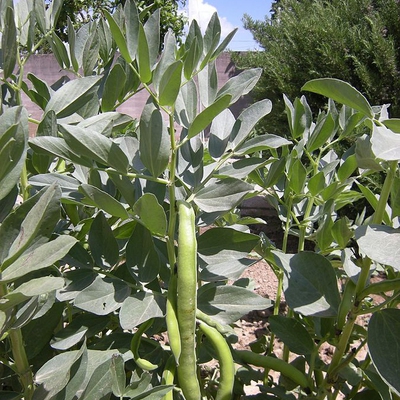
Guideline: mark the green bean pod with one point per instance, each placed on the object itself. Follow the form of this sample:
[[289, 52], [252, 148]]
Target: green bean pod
[[226, 364], [142, 363], [168, 376], [187, 301], [171, 319], [268, 362]]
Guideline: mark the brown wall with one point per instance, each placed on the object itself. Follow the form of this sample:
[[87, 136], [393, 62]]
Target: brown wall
[[45, 67]]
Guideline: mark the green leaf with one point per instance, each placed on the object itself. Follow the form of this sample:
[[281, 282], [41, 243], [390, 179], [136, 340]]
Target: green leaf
[[260, 143], [227, 304], [224, 43], [225, 252], [132, 28], [83, 325], [186, 104], [221, 195], [292, 333], [32, 288], [55, 374], [170, 84], [347, 168], [93, 145], [139, 308], [118, 375], [59, 148], [154, 140], [8, 203], [241, 84], [393, 124], [216, 240], [316, 183], [37, 225], [275, 172], [211, 37], [324, 233], [59, 51], [152, 31], [324, 129], [103, 296], [365, 157], [205, 118], [380, 243], [151, 214], [53, 11], [39, 332], [220, 131], [155, 393], [309, 283], [384, 345], [9, 44], [91, 52], [40, 86], [39, 258], [113, 86], [71, 43], [142, 258], [208, 84], [13, 143], [119, 37], [105, 38], [340, 91], [192, 58], [103, 245], [247, 120], [385, 143], [242, 168], [143, 57], [40, 14], [102, 123], [341, 232], [297, 176], [124, 186], [73, 96], [104, 201]]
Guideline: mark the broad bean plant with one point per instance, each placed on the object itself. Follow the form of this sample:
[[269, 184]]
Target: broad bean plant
[[121, 248]]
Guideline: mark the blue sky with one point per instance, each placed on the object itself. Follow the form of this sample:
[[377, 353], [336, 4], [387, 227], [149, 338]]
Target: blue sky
[[230, 13]]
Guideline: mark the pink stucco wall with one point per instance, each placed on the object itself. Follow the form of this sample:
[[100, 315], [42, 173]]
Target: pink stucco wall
[[45, 67]]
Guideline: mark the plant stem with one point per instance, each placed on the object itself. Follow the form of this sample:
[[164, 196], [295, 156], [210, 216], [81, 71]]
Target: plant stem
[[287, 224], [385, 193], [21, 364]]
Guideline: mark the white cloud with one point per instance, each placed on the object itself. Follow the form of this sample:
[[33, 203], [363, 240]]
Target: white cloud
[[202, 12]]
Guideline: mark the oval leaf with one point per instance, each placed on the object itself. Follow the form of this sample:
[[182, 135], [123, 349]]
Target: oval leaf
[[384, 345], [340, 91]]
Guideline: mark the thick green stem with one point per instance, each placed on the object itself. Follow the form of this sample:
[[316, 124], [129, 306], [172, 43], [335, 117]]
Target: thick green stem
[[21, 364], [303, 227], [340, 349], [385, 193], [287, 224]]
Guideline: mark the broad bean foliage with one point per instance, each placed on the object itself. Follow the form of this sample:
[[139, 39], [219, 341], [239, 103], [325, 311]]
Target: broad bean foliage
[[111, 288]]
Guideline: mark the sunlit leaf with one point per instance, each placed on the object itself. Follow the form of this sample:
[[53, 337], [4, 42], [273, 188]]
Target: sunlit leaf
[[340, 91]]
